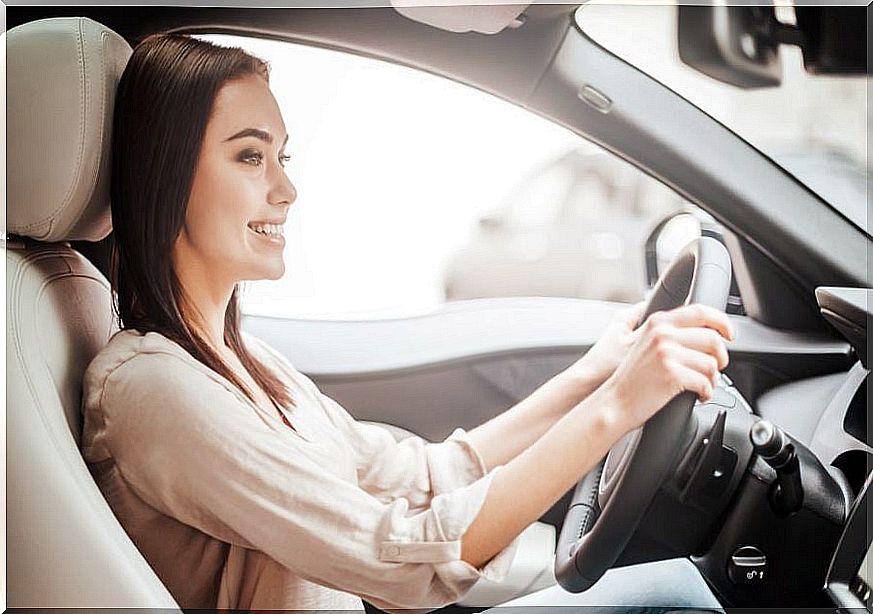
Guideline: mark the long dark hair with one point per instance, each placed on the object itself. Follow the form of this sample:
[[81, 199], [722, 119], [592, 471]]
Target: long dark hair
[[164, 100]]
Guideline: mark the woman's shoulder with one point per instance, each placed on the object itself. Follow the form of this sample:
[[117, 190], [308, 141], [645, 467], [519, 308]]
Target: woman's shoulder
[[152, 357], [128, 343], [129, 350]]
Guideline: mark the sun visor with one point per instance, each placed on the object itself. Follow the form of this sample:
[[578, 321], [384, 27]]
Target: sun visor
[[490, 17]]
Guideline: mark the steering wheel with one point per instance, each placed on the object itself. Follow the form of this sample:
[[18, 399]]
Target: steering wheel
[[610, 501]]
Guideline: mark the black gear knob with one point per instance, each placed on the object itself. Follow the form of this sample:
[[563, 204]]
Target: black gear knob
[[770, 442], [775, 448]]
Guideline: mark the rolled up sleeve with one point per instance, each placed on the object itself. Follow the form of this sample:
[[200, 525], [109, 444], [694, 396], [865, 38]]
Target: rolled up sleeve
[[194, 452], [455, 511], [413, 468]]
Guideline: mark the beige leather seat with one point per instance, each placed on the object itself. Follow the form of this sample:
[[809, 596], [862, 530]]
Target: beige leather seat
[[65, 547]]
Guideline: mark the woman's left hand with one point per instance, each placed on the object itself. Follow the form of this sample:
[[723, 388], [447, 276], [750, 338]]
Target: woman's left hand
[[603, 358]]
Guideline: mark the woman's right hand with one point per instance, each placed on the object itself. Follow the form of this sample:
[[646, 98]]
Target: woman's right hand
[[677, 350]]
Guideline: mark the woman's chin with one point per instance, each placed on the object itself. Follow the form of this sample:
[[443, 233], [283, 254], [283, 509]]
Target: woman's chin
[[271, 273], [276, 275]]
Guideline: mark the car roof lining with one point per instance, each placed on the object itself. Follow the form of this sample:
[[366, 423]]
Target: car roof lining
[[516, 57]]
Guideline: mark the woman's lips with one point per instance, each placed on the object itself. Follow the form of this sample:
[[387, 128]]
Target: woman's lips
[[276, 241]]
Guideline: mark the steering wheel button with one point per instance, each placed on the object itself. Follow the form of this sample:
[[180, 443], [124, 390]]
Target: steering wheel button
[[748, 565], [722, 398]]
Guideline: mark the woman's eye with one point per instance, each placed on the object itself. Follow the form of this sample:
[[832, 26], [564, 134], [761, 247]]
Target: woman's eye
[[253, 158], [256, 158]]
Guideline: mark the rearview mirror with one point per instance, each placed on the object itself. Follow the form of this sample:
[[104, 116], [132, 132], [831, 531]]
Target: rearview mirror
[[734, 44], [739, 45]]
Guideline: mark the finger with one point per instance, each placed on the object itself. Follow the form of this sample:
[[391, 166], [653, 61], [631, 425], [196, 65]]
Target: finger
[[698, 314], [629, 317], [690, 379], [634, 313], [705, 364], [703, 340]]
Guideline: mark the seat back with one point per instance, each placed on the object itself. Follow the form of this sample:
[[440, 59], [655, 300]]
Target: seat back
[[65, 547]]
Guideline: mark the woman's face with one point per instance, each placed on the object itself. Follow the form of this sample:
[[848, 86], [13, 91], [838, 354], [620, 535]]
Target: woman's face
[[233, 227]]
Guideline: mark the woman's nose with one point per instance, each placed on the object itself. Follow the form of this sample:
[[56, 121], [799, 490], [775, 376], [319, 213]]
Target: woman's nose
[[284, 191]]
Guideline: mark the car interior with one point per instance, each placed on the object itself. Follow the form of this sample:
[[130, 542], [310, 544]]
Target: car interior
[[766, 490]]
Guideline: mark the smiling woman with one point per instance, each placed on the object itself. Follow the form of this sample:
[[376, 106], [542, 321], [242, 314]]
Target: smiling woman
[[239, 198], [186, 419], [183, 413], [198, 193], [216, 496]]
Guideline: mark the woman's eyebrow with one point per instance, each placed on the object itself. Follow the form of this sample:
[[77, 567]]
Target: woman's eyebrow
[[257, 133]]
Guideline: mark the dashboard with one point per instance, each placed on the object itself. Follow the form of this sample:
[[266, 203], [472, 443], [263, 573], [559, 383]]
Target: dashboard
[[839, 436], [481, 355]]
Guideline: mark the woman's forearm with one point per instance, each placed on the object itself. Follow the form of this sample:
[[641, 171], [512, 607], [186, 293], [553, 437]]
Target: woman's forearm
[[681, 349], [528, 485], [508, 434]]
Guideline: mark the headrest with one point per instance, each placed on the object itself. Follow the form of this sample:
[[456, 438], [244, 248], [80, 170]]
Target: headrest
[[62, 74]]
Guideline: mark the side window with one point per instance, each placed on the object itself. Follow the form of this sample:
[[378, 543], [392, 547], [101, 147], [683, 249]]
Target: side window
[[414, 190], [538, 197]]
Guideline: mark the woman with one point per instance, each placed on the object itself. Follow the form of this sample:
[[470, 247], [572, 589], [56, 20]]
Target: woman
[[242, 484]]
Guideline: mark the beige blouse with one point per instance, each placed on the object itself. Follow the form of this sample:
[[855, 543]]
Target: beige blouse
[[233, 509]]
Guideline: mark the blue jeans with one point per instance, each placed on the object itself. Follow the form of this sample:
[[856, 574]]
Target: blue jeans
[[647, 588]]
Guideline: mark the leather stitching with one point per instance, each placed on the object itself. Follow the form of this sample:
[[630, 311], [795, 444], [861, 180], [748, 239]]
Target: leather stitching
[[587, 520], [83, 93], [101, 140]]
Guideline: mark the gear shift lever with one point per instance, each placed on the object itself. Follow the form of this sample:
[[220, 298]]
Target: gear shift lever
[[774, 447]]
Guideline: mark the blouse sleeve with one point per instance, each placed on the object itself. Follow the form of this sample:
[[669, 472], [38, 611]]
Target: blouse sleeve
[[186, 449], [413, 468]]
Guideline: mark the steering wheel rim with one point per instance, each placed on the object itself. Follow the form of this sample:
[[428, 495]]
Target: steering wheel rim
[[610, 501]]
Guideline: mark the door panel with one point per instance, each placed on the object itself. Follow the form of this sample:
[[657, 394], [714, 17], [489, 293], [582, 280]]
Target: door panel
[[455, 367], [468, 360]]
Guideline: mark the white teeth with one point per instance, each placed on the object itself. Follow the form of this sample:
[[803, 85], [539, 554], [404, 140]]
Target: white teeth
[[270, 230]]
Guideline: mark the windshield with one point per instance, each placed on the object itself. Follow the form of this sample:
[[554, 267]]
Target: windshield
[[813, 126]]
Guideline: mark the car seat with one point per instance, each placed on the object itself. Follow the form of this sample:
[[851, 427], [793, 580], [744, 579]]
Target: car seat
[[65, 547]]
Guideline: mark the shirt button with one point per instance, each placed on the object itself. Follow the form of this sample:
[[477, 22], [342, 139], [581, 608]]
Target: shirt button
[[392, 550]]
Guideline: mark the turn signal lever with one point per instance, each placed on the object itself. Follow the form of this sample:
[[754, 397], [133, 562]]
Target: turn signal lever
[[773, 446]]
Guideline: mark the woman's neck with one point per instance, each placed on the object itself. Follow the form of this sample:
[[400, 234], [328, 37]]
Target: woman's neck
[[207, 296]]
